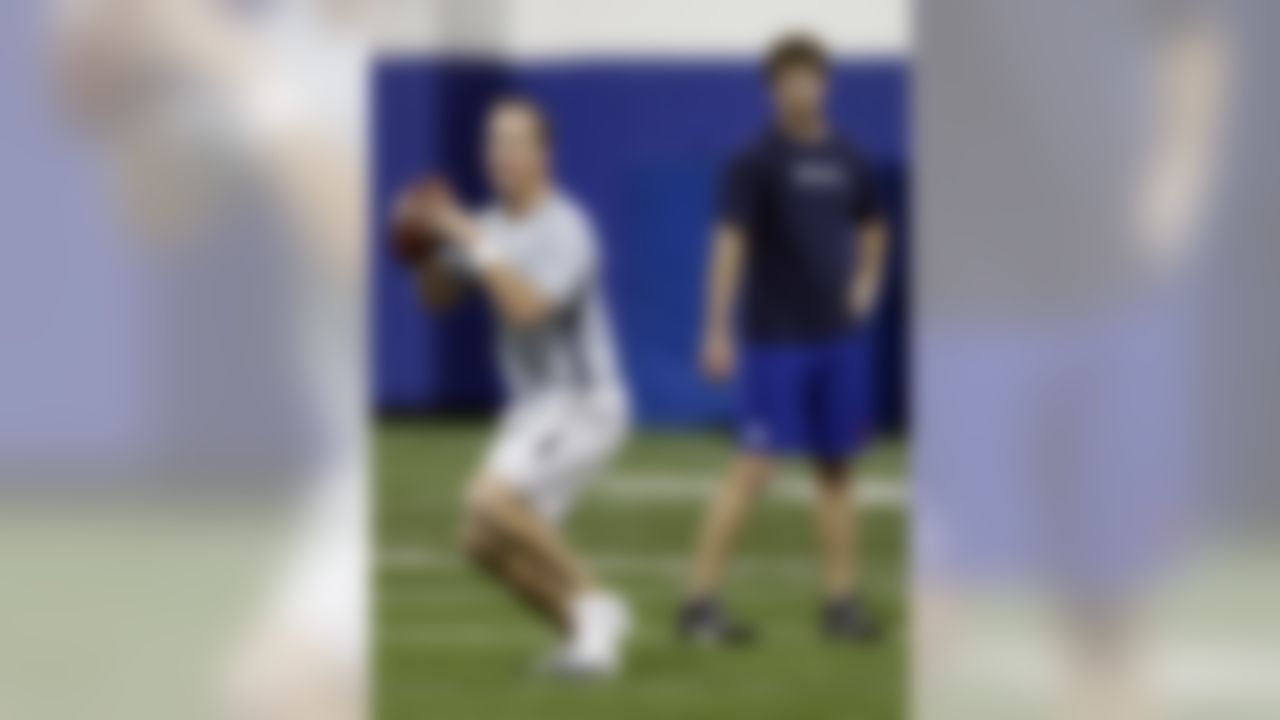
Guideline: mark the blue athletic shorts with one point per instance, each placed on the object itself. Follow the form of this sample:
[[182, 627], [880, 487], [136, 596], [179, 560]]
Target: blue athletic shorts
[[805, 399]]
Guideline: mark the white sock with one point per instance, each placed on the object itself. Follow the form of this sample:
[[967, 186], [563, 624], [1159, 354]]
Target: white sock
[[600, 623]]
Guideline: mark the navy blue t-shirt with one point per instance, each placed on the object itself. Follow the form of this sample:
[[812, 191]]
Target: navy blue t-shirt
[[798, 206]]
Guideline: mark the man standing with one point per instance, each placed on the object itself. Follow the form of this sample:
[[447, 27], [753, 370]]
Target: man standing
[[800, 232], [534, 254]]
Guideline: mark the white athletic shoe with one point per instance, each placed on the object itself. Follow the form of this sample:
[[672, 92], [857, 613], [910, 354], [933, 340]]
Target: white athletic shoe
[[601, 623]]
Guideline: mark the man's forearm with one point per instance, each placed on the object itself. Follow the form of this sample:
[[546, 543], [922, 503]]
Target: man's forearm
[[727, 260], [872, 255], [518, 302]]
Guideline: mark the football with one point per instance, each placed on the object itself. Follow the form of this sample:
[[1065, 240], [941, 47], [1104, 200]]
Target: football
[[411, 238]]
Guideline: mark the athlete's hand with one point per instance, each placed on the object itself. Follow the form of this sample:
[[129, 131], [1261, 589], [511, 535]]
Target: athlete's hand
[[864, 295], [718, 357]]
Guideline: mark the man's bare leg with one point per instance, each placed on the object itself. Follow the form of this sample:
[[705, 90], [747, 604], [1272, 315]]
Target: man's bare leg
[[509, 540], [702, 618], [844, 616], [490, 551], [531, 559], [835, 521], [723, 522]]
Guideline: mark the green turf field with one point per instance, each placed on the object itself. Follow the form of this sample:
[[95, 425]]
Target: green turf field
[[451, 647]]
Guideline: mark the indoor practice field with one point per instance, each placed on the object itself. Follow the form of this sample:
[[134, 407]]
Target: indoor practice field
[[450, 646]]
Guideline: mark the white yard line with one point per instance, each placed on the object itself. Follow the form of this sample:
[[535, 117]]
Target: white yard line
[[873, 493]]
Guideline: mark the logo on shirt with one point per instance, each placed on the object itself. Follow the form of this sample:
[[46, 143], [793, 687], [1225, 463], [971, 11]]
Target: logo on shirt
[[818, 175]]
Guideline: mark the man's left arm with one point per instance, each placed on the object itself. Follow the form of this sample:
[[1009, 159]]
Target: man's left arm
[[524, 297], [870, 241], [871, 253], [521, 303]]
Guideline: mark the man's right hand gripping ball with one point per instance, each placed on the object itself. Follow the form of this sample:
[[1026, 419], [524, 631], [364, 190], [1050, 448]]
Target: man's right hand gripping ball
[[413, 239]]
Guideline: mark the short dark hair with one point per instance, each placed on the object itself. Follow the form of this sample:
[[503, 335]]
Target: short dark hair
[[531, 106], [796, 50]]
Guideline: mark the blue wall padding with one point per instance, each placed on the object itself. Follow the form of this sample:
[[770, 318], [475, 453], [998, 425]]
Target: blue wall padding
[[641, 143]]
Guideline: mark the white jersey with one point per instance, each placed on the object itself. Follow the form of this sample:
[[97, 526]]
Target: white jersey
[[554, 247], [568, 414]]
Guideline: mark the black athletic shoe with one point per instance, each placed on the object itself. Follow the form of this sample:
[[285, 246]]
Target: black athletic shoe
[[847, 620], [705, 622]]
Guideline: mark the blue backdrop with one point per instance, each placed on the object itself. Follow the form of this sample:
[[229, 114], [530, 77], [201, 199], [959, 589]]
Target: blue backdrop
[[641, 143]]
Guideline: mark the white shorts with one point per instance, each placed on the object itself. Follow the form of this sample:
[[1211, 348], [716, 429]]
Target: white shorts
[[550, 447]]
